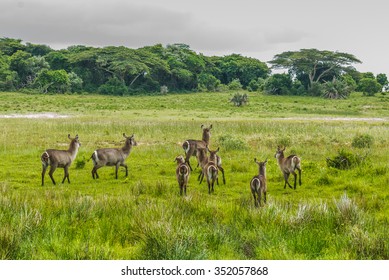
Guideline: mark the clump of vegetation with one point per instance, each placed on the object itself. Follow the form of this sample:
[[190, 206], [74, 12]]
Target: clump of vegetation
[[336, 89], [235, 84], [362, 141], [345, 160], [230, 143], [80, 163], [239, 99], [164, 90]]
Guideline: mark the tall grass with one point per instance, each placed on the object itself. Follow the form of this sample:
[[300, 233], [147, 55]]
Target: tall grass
[[335, 214]]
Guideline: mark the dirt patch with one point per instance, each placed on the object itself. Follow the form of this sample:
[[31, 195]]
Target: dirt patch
[[34, 116]]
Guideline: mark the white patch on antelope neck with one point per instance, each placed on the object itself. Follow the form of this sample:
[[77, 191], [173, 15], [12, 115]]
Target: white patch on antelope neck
[[34, 116]]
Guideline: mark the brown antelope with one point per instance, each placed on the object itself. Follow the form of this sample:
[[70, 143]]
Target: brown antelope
[[213, 156], [60, 158], [209, 169], [190, 146], [258, 183], [182, 174], [288, 165], [112, 156]]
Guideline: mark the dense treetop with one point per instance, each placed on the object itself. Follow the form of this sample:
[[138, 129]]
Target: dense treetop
[[118, 70]]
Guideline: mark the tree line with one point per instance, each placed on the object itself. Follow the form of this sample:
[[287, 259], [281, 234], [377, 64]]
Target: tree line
[[119, 70]]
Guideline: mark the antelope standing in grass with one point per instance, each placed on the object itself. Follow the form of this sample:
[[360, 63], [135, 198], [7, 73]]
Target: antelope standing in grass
[[288, 166], [182, 174], [209, 169], [60, 158], [112, 156], [190, 146], [258, 183], [214, 157]]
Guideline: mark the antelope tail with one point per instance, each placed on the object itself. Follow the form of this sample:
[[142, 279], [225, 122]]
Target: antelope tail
[[255, 185], [45, 158], [186, 146]]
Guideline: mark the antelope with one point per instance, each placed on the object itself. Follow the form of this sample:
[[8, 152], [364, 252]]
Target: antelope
[[288, 165], [209, 169], [112, 156], [190, 146], [182, 174], [213, 156], [60, 158], [258, 183]]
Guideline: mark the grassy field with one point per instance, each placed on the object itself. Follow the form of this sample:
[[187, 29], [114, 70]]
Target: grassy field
[[335, 214]]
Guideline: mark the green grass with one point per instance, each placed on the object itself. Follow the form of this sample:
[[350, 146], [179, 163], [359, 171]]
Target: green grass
[[335, 214]]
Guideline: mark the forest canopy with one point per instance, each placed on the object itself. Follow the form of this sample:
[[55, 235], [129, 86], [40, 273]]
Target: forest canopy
[[119, 70]]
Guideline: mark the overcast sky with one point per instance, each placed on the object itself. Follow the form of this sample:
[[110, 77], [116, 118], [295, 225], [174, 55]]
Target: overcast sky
[[254, 28]]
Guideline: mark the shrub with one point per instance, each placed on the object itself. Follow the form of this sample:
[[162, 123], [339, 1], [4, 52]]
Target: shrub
[[362, 141], [235, 85], [369, 86], [207, 82], [113, 87], [278, 84], [239, 99], [316, 89], [80, 163], [230, 143], [163, 90], [336, 89], [344, 160]]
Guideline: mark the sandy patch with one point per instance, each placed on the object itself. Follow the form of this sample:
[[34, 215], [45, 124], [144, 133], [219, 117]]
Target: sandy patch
[[34, 116]]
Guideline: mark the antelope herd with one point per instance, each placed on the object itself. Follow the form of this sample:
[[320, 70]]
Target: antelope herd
[[210, 165]]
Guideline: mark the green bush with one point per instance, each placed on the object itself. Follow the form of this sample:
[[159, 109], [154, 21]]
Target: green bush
[[235, 85], [362, 141], [344, 160], [227, 142], [239, 99], [369, 86], [113, 87]]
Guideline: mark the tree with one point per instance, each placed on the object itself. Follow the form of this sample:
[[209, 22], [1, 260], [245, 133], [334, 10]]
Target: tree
[[8, 78], [278, 84], [10, 46], [27, 67], [207, 82], [53, 81], [37, 50], [369, 86], [113, 86], [236, 66], [314, 65], [382, 79]]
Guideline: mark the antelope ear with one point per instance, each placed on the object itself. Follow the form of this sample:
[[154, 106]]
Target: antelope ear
[[210, 126], [76, 136], [283, 149], [255, 159], [132, 136], [124, 135], [265, 161], [202, 126], [69, 136], [218, 149]]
